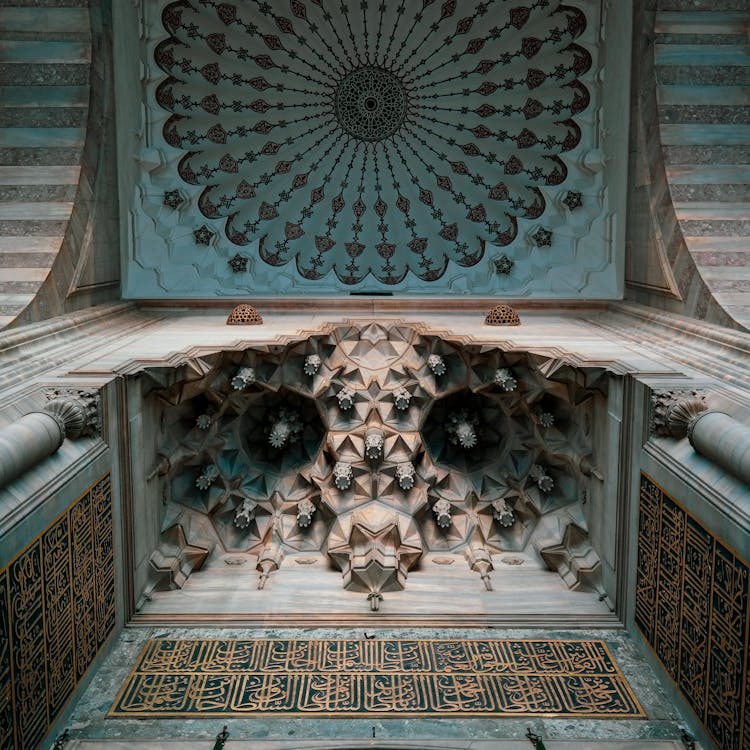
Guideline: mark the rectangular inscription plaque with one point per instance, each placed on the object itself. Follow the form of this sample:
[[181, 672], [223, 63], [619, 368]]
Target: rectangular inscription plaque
[[202, 678], [692, 608], [57, 605]]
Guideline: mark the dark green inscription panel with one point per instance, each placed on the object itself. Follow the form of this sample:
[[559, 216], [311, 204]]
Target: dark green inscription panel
[[692, 608], [200, 678], [57, 607]]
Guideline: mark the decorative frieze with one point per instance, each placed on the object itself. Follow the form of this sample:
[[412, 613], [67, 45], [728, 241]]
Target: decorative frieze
[[211, 679]]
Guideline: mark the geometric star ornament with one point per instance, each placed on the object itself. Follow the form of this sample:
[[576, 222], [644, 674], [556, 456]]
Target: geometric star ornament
[[360, 140], [374, 513]]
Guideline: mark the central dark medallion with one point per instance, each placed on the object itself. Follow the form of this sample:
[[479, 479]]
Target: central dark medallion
[[371, 104]]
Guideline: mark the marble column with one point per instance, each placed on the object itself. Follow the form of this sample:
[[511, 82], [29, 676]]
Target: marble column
[[723, 440], [717, 436], [37, 435]]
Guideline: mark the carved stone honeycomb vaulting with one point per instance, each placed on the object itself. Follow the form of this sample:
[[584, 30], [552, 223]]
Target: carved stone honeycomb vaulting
[[486, 455]]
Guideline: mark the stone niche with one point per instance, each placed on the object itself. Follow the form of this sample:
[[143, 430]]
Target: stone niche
[[375, 445]]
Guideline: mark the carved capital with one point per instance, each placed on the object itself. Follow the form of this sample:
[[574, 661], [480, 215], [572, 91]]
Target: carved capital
[[77, 412], [673, 413]]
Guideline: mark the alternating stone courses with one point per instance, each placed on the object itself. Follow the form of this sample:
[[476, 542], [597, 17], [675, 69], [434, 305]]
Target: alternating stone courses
[[45, 60], [703, 73]]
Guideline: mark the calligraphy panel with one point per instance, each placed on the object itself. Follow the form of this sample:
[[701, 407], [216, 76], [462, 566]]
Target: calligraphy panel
[[727, 649], [57, 607], [84, 584], [58, 620], [6, 680], [647, 565], [196, 677], [669, 599], [27, 637], [103, 560], [696, 589], [695, 614]]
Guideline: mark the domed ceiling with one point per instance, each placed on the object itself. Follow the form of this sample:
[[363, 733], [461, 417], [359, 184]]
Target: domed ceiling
[[319, 147]]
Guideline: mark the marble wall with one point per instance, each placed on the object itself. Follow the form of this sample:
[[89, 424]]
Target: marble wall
[[86, 270], [673, 143]]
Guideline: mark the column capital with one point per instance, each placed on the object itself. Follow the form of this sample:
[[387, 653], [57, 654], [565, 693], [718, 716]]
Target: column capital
[[674, 412], [76, 411]]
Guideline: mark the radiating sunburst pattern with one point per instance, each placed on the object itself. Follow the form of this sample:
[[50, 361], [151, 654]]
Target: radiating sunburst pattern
[[372, 137]]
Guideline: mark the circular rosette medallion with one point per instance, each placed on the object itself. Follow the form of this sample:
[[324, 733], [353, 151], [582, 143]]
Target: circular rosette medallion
[[370, 104], [363, 140]]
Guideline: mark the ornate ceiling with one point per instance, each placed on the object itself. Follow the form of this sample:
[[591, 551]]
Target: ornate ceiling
[[375, 445], [426, 147]]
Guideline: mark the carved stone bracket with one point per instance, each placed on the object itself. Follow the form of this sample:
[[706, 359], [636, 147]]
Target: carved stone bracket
[[207, 477], [503, 513], [574, 559], [504, 378], [244, 514], [286, 426], [442, 510], [437, 364], [461, 427], [374, 443], [674, 412], [345, 398], [402, 399], [342, 475], [269, 560], [406, 475], [77, 411], [375, 550], [312, 364], [543, 480], [244, 377]]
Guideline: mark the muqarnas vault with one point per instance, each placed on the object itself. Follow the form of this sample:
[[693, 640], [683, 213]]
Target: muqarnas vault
[[375, 445]]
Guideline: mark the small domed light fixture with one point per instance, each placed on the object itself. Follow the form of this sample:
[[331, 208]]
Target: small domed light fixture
[[244, 315], [502, 315]]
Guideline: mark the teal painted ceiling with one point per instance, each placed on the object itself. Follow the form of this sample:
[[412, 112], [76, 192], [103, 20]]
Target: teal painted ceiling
[[317, 147]]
